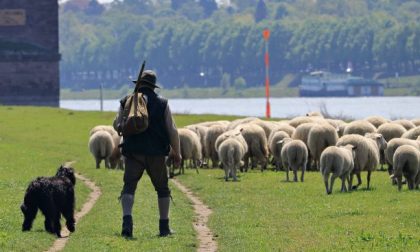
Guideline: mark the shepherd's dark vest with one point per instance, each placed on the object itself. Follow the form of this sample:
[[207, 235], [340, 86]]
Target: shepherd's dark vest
[[155, 140]]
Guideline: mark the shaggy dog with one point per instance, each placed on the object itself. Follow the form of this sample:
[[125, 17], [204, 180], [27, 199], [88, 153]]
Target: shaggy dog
[[53, 196]]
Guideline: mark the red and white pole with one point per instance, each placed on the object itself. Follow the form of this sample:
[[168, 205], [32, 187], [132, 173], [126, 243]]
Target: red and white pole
[[266, 35]]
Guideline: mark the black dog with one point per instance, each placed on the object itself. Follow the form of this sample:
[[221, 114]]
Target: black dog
[[53, 196]]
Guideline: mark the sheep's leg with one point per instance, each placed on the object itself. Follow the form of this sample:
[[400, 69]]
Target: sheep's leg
[[98, 163], [368, 179], [333, 177], [295, 179], [226, 168], [399, 182], [287, 173], [359, 180], [107, 163], [326, 177], [303, 173], [234, 173], [343, 184], [410, 183]]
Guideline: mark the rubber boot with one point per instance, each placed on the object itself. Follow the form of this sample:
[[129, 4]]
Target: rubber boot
[[164, 228], [127, 226]]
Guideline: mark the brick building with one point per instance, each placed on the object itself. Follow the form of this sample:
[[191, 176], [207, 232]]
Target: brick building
[[29, 57]]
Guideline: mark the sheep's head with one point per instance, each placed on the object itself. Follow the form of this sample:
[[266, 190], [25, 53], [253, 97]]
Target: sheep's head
[[379, 140]]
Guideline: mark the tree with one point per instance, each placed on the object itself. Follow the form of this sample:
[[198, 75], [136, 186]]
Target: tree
[[260, 11], [94, 8], [177, 4], [209, 7], [281, 12]]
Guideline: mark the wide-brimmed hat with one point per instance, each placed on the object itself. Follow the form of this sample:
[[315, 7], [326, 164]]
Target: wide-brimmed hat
[[148, 77]]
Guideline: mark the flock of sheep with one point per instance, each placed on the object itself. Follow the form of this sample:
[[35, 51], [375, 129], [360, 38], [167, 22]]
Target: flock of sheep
[[334, 147]]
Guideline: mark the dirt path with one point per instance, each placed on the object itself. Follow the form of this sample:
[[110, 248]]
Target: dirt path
[[205, 236], [93, 197]]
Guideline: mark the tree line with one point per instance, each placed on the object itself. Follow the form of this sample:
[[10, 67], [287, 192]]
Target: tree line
[[107, 43]]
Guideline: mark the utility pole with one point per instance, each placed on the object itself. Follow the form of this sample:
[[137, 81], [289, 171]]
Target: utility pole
[[266, 35]]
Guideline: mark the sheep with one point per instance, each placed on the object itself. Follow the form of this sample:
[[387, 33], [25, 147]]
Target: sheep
[[359, 127], [275, 147], [234, 124], [392, 147], [413, 133], [340, 162], [212, 133], [320, 137], [389, 131], [367, 154], [209, 124], [376, 120], [201, 131], [268, 127], [190, 147], [314, 114], [116, 157], [231, 153], [101, 146], [294, 154], [282, 126], [406, 161], [302, 133], [416, 121], [407, 124], [297, 121], [254, 136], [235, 133]]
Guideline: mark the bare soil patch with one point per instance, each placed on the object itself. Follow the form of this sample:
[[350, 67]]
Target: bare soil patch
[[93, 197], [205, 236]]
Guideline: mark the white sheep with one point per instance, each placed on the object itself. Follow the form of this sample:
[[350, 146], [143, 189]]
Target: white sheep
[[255, 137], [392, 147], [406, 161], [340, 162], [190, 147], [212, 133], [416, 121], [116, 157], [302, 133], [359, 127], [376, 120], [282, 126], [413, 133], [236, 134], [367, 154], [101, 145], [231, 153], [320, 137], [294, 155], [201, 131], [407, 124], [389, 131], [235, 123], [275, 147]]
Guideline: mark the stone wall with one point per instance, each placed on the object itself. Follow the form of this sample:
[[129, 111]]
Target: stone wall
[[29, 57]]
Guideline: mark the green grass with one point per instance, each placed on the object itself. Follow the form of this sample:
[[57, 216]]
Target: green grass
[[262, 212]]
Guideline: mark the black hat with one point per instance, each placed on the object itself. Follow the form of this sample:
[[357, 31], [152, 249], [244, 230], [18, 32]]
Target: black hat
[[148, 77]]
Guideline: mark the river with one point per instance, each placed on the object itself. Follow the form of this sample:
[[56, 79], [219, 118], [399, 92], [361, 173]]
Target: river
[[351, 107]]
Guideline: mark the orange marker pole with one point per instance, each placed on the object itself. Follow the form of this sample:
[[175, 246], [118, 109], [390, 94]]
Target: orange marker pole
[[266, 35]]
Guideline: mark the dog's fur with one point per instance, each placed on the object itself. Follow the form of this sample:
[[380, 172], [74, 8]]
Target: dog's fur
[[53, 196]]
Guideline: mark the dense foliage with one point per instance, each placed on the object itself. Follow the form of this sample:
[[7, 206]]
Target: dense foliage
[[196, 43]]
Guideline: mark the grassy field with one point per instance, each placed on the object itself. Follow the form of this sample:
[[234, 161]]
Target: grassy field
[[34, 142], [259, 213]]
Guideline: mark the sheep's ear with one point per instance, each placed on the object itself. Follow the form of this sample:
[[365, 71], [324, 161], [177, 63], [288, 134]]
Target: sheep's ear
[[241, 129], [354, 147]]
